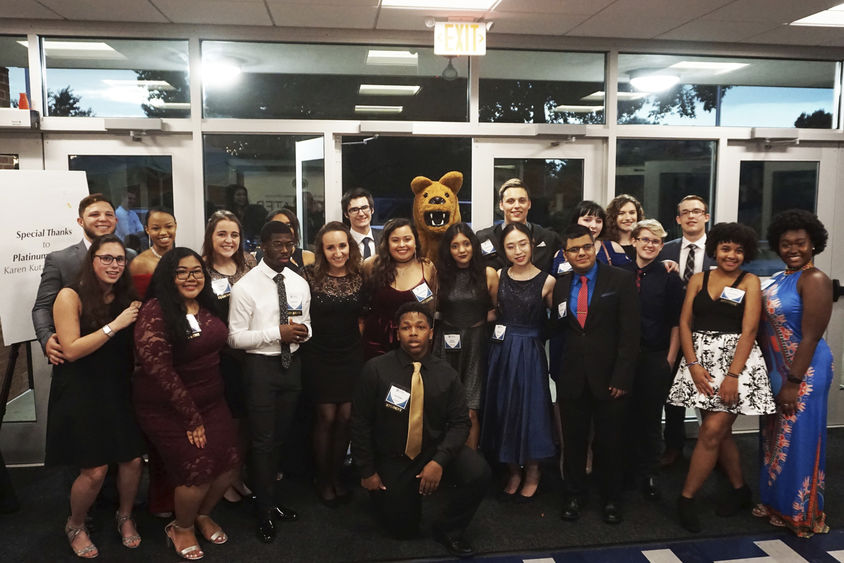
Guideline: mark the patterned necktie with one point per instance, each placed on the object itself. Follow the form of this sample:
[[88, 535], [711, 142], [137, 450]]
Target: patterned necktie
[[583, 301], [286, 356], [690, 264], [414, 420], [367, 252]]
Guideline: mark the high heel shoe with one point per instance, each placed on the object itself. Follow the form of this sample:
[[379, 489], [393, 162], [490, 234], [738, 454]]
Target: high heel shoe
[[87, 552], [190, 553], [219, 537], [131, 541]]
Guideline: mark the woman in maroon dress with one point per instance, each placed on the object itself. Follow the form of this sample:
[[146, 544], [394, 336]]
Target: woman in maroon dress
[[178, 395]]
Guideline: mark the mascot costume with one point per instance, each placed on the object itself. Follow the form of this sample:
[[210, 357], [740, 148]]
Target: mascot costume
[[435, 209]]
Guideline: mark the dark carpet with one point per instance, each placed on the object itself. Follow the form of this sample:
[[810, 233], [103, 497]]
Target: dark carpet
[[349, 533]]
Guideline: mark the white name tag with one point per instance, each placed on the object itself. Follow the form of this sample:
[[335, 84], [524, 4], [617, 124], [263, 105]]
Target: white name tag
[[563, 268], [221, 287], [562, 309], [498, 332], [423, 293], [767, 283], [452, 341], [487, 247], [397, 398], [193, 325], [732, 295]]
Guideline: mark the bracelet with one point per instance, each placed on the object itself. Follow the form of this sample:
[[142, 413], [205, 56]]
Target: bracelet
[[794, 379], [108, 331], [694, 363], [733, 375]]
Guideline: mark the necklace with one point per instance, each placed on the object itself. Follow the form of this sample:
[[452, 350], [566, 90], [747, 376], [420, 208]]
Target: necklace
[[807, 266], [157, 255]]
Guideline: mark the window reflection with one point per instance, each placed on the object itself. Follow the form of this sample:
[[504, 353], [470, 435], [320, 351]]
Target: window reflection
[[13, 67]]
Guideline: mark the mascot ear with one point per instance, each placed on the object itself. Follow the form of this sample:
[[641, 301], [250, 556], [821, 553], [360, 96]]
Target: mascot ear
[[420, 183], [453, 180]]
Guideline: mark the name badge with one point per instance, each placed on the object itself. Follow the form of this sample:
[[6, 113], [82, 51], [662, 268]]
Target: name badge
[[732, 295], [498, 332], [563, 268], [452, 341], [423, 293], [193, 326], [487, 247], [221, 287], [397, 398], [767, 283], [294, 306], [562, 310]]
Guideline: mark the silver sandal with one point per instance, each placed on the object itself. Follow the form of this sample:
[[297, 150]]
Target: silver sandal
[[87, 552], [133, 541]]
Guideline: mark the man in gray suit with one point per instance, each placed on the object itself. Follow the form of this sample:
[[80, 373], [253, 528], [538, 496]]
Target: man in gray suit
[[689, 252], [61, 268]]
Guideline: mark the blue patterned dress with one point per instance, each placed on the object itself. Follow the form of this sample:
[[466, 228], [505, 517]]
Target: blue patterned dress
[[793, 448]]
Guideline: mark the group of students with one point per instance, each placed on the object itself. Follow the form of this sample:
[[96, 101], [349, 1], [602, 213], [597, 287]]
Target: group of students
[[225, 344]]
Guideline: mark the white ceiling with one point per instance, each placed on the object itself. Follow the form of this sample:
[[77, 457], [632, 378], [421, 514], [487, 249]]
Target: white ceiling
[[733, 21]]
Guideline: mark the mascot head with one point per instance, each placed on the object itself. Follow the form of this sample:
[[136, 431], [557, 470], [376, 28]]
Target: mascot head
[[435, 208]]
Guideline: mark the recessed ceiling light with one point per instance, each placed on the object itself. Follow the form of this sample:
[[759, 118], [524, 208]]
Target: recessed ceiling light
[[479, 5], [653, 81], [379, 109], [388, 90], [622, 96], [391, 58], [833, 17], [577, 109], [715, 67], [78, 49]]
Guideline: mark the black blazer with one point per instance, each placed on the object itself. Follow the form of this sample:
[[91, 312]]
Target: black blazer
[[671, 251], [603, 353], [546, 243]]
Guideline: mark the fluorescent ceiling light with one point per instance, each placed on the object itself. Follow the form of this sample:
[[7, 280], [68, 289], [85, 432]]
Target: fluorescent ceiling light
[[391, 58], [388, 90], [479, 5], [715, 67], [653, 81], [833, 17], [79, 49], [149, 84], [577, 109], [379, 109], [622, 96]]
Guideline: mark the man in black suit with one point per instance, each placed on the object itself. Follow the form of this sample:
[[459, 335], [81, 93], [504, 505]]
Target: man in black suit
[[358, 208], [689, 252], [597, 309], [514, 202]]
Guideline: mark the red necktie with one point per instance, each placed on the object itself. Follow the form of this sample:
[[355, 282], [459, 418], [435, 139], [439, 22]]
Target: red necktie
[[583, 301]]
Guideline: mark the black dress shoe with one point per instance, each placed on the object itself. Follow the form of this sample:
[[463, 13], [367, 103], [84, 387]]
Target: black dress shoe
[[266, 529], [649, 488], [283, 513], [571, 509], [456, 546], [612, 515]]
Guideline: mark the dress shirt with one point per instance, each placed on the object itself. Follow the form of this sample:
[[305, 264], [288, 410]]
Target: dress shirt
[[591, 276], [128, 223], [379, 431], [700, 252], [358, 238], [660, 298], [254, 314]]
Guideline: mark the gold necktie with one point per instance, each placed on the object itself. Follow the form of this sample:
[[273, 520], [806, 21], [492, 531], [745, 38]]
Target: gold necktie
[[414, 420]]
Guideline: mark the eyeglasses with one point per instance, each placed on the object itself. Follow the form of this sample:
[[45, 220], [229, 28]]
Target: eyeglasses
[[576, 249], [108, 259], [361, 209], [184, 275], [693, 212], [649, 241]]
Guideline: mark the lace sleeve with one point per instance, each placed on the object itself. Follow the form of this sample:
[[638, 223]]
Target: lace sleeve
[[155, 355]]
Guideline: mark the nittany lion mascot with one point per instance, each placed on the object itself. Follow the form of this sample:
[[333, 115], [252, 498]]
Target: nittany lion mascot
[[435, 209]]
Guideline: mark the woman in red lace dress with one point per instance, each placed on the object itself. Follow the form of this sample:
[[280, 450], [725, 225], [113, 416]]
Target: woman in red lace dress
[[178, 395]]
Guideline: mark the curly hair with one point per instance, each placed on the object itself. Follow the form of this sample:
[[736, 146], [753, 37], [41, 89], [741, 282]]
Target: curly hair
[[95, 311], [794, 220], [733, 232], [446, 266], [610, 231], [383, 271], [320, 267], [208, 241]]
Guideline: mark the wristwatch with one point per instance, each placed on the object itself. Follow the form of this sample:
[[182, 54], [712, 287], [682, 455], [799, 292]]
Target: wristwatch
[[108, 332]]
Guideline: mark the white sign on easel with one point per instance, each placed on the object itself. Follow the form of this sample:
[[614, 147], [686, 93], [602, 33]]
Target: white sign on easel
[[38, 212]]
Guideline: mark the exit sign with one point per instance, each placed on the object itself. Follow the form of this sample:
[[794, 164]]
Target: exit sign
[[460, 38]]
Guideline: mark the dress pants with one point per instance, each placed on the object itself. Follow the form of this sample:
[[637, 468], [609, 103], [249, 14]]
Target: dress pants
[[400, 506], [609, 417], [650, 389], [272, 394]]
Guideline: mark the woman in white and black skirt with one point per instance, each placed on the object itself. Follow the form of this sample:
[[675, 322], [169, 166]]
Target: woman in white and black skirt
[[722, 372]]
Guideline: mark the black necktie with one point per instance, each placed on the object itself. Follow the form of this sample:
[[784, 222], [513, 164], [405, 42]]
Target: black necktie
[[367, 252], [690, 264], [286, 356]]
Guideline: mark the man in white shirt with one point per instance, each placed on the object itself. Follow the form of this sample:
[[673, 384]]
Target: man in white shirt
[[270, 335], [358, 207]]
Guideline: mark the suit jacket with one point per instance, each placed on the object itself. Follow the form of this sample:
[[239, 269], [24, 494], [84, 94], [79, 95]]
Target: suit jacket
[[546, 241], [671, 251], [603, 353]]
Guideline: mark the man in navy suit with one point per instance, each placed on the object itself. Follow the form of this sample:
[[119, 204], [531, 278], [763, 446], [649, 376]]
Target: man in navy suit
[[358, 207], [597, 309], [690, 254]]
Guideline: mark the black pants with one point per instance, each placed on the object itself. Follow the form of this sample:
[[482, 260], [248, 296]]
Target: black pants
[[400, 506], [272, 394], [609, 417], [650, 389], [675, 419]]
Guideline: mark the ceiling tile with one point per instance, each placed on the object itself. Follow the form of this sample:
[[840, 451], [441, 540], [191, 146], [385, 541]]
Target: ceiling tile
[[769, 11], [29, 9], [414, 20], [534, 24], [640, 27], [709, 30], [106, 10], [631, 11], [315, 15], [579, 7], [232, 12], [798, 35]]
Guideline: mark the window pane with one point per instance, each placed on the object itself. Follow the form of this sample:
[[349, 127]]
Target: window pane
[[541, 87], [714, 91], [386, 165], [14, 67], [134, 184], [661, 173], [253, 175], [767, 188], [116, 77], [299, 81], [556, 186]]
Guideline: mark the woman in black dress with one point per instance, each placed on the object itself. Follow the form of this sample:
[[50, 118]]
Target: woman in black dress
[[90, 419], [334, 355]]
